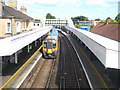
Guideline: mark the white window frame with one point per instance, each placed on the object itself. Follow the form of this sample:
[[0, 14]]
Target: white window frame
[[18, 24], [6, 31]]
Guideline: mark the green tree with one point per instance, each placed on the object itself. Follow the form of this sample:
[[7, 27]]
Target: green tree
[[77, 25], [102, 21], [117, 18], [49, 16], [91, 26], [113, 21], [79, 18], [97, 19], [37, 19]]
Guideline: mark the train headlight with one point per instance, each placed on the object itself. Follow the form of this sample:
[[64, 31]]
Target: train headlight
[[44, 49]]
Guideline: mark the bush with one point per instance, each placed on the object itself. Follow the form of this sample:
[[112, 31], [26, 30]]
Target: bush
[[77, 25]]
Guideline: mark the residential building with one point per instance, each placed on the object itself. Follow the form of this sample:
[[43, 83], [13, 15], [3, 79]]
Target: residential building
[[95, 22], [109, 30]]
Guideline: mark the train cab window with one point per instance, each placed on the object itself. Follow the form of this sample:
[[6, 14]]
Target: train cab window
[[45, 44], [54, 44]]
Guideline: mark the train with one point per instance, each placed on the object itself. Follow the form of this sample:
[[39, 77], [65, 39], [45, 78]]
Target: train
[[50, 44]]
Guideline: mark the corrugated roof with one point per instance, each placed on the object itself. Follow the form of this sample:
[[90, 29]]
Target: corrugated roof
[[9, 11], [110, 30]]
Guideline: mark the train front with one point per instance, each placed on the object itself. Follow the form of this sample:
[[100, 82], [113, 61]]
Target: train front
[[50, 47]]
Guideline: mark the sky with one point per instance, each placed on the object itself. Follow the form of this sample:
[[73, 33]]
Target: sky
[[93, 9]]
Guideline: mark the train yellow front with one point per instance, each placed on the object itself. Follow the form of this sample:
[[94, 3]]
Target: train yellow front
[[50, 44]]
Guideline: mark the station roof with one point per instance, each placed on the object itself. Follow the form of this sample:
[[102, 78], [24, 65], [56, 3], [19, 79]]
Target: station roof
[[9, 12], [109, 30]]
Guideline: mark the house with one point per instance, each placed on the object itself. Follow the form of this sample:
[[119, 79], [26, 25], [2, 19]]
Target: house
[[95, 22], [13, 21], [109, 30]]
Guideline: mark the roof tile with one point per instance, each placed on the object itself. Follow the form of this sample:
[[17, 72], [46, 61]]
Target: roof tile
[[111, 30], [9, 11]]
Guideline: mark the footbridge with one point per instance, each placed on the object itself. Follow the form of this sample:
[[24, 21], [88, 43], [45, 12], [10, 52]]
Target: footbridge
[[60, 22]]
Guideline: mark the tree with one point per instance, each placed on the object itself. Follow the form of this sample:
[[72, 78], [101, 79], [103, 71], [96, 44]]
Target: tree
[[113, 21], [97, 19], [79, 18], [102, 21], [49, 16], [117, 18], [37, 19]]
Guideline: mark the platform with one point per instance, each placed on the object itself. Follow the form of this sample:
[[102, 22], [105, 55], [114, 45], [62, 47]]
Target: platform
[[12, 44], [105, 49]]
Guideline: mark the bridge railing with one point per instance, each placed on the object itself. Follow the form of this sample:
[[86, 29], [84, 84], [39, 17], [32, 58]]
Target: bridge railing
[[12, 44], [106, 50]]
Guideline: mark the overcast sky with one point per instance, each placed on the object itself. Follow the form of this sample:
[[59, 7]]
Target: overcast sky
[[92, 9]]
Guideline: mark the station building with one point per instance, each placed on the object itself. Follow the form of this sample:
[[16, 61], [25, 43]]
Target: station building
[[12, 21]]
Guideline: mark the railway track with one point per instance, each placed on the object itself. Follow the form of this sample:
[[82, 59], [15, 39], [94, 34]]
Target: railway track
[[94, 72], [42, 77], [71, 72], [50, 80]]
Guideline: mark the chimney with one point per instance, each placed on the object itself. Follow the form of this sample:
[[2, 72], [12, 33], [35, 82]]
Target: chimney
[[108, 20], [23, 9], [12, 3], [1, 7]]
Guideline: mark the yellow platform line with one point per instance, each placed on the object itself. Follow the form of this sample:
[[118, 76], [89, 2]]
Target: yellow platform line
[[96, 71], [23, 66]]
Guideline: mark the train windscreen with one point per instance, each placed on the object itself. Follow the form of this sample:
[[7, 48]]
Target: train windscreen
[[49, 44]]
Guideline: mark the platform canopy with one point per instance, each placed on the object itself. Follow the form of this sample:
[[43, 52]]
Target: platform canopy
[[12, 44], [105, 49]]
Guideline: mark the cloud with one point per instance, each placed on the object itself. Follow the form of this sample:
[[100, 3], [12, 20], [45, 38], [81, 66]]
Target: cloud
[[47, 2], [69, 8], [57, 3], [112, 0], [100, 2], [94, 2]]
